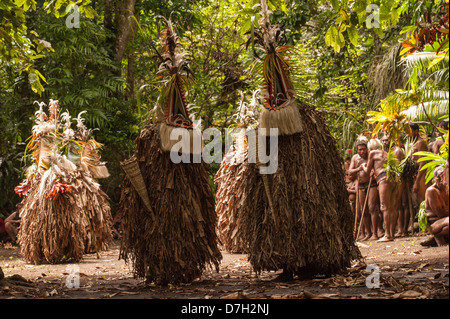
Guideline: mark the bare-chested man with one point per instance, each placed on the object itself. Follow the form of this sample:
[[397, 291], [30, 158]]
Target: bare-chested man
[[401, 199], [437, 206], [387, 189], [370, 220], [420, 145]]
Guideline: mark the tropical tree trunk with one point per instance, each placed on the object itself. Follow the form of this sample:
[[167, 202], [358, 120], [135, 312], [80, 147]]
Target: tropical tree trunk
[[118, 19], [124, 11]]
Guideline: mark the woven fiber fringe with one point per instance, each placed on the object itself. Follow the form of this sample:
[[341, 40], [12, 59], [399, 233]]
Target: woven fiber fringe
[[228, 196], [178, 241], [310, 230], [286, 119], [51, 231], [191, 139], [95, 204], [60, 230]]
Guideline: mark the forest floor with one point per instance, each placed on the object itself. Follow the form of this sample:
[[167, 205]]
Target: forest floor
[[406, 269]]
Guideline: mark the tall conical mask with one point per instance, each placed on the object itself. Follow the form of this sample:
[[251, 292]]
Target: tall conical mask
[[280, 108], [173, 110]]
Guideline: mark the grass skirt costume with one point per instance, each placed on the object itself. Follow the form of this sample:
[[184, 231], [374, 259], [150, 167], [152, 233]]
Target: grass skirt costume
[[174, 240], [228, 197], [168, 208], [65, 213], [229, 178], [297, 219], [310, 231]]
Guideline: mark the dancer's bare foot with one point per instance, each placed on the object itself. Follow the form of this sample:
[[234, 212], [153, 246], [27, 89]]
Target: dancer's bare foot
[[374, 237], [385, 239]]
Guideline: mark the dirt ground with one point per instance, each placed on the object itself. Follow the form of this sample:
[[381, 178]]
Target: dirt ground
[[403, 269]]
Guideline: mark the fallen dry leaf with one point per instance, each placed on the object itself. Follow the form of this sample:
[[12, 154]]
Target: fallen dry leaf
[[235, 295], [407, 294]]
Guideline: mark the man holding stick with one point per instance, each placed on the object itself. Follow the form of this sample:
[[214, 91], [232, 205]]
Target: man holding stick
[[366, 188]]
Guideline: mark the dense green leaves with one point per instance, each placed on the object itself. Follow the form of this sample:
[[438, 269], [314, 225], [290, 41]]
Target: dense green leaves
[[344, 60]]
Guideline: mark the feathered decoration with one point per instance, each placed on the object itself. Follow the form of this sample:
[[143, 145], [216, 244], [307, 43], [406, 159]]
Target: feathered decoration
[[85, 151], [90, 159], [173, 110], [82, 131], [68, 133], [280, 110], [247, 113], [65, 212], [42, 142]]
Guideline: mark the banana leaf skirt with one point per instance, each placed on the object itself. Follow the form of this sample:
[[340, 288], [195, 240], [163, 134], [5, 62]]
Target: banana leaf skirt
[[309, 231], [168, 215], [63, 229]]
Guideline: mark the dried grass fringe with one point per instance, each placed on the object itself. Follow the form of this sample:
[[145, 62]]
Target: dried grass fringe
[[312, 229], [287, 119], [228, 195], [57, 231], [179, 241], [191, 139]]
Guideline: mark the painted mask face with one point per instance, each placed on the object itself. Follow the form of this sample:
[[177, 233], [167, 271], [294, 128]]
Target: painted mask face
[[279, 87], [281, 110], [174, 67], [176, 112]]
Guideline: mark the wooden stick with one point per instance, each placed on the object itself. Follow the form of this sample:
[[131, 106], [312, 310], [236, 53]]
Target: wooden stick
[[266, 184], [356, 206], [411, 212], [365, 203]]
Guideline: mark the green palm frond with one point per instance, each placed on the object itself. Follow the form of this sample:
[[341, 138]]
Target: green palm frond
[[422, 67], [421, 60], [427, 110], [350, 131], [407, 150], [435, 95], [434, 160], [392, 167], [422, 217]]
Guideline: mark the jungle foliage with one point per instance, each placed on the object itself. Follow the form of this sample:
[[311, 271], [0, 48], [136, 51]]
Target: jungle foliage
[[347, 59]]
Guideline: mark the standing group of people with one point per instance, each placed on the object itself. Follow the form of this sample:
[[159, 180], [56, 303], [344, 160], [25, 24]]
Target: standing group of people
[[385, 206]]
